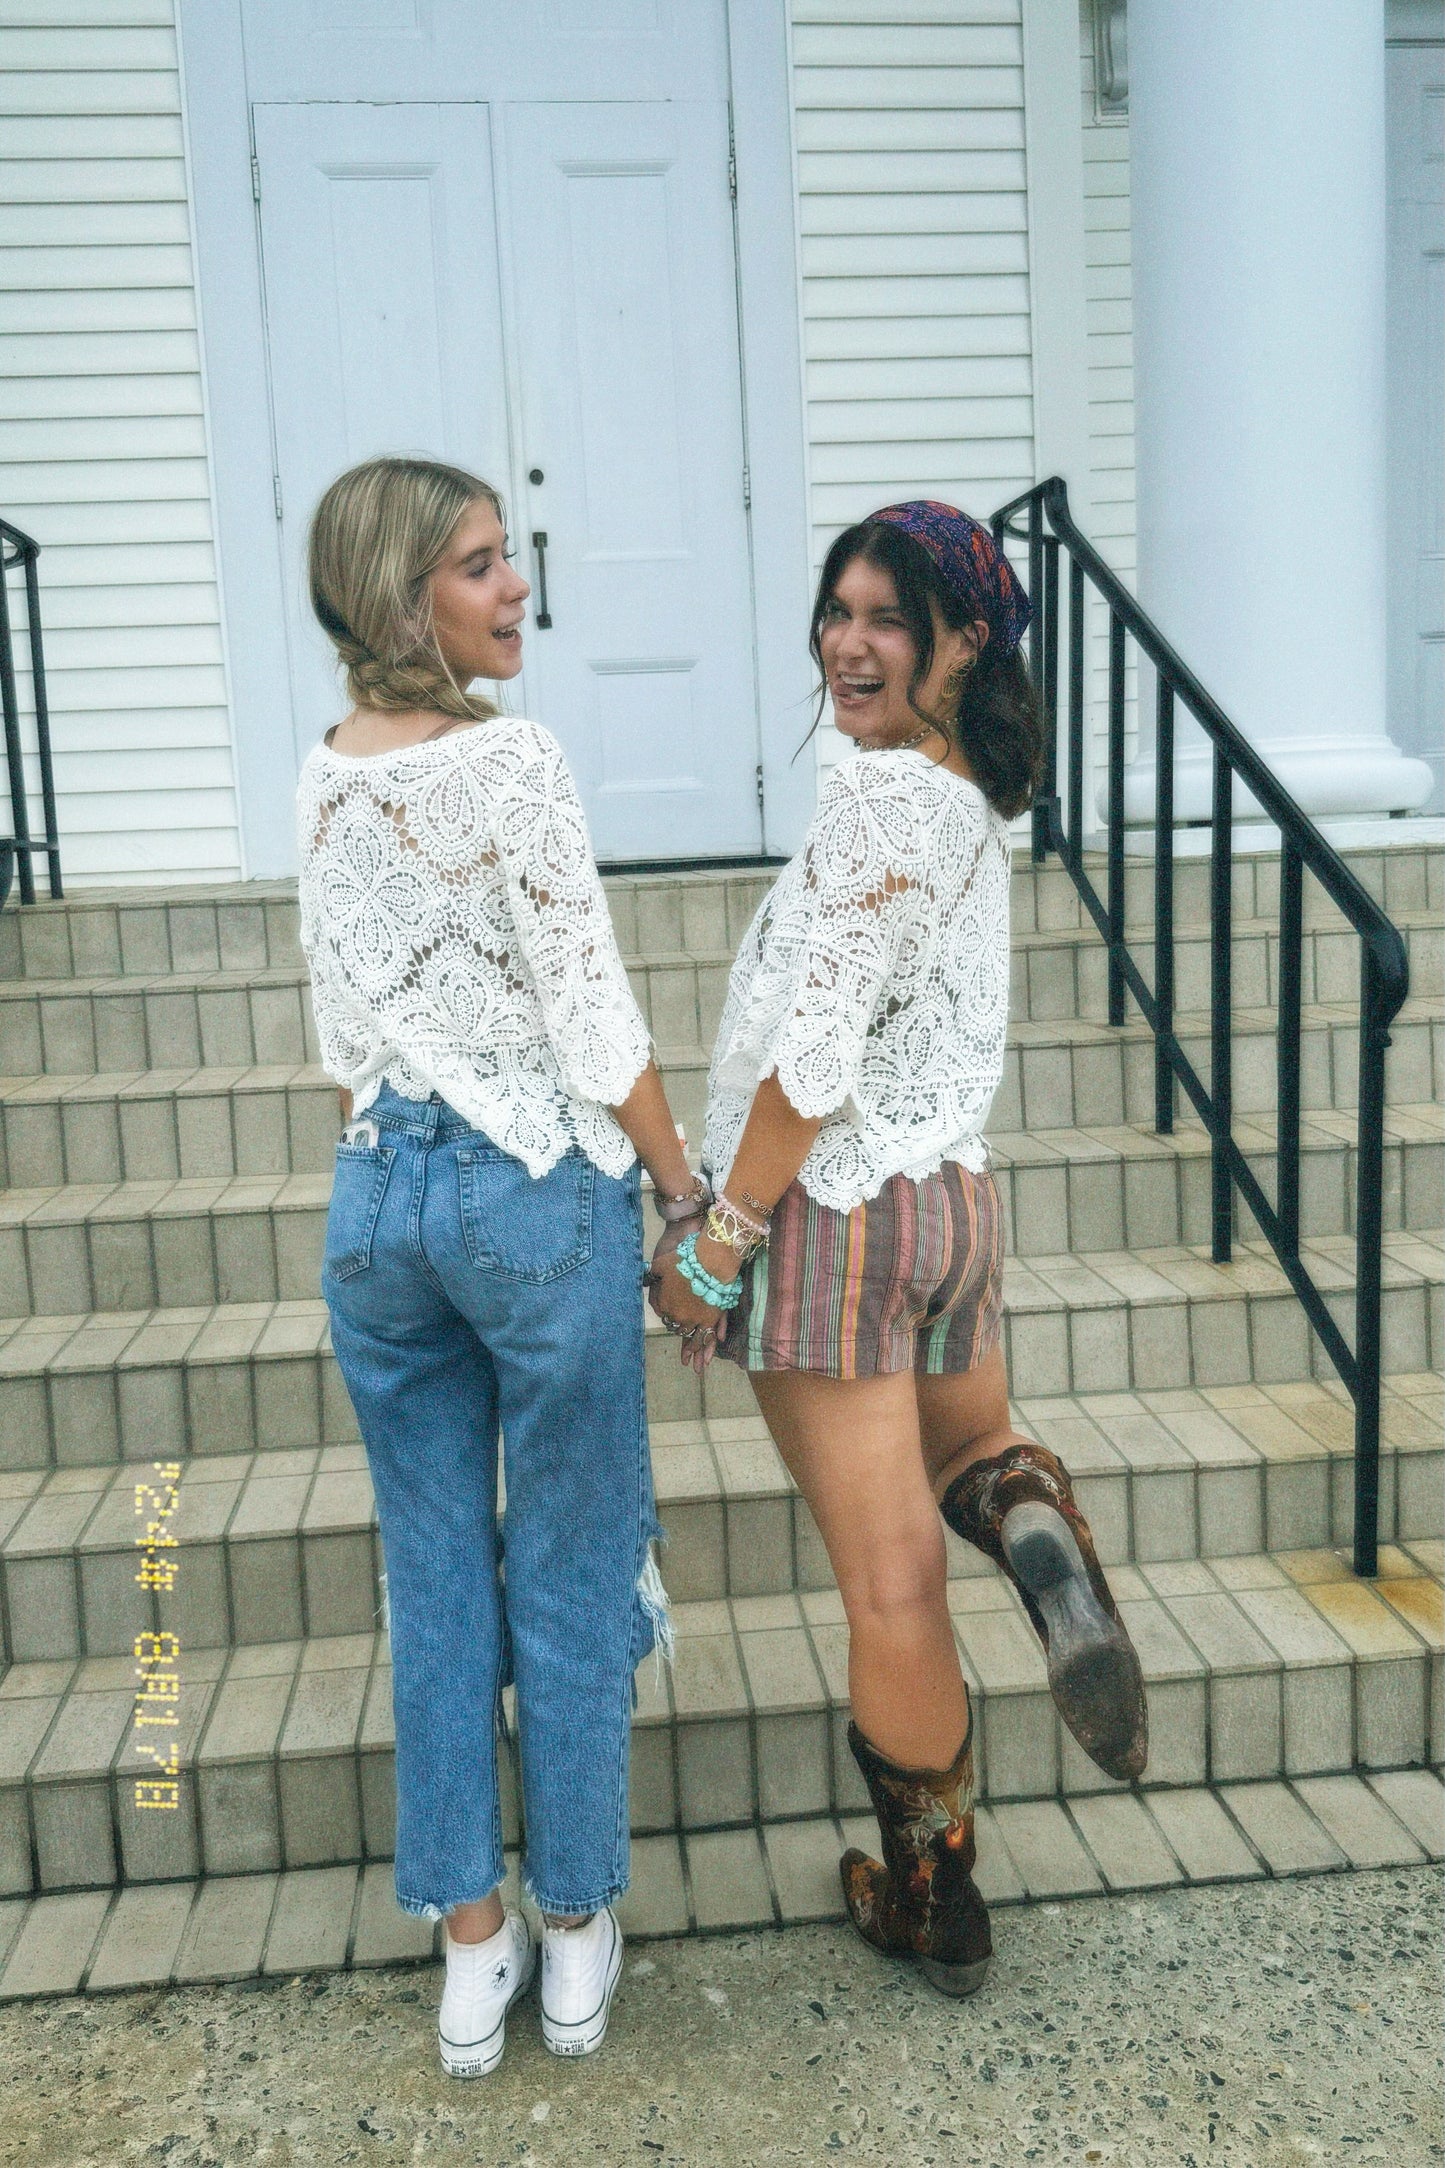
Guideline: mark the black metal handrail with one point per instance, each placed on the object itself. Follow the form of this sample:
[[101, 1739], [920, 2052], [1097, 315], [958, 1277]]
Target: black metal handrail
[[1384, 970], [20, 847]]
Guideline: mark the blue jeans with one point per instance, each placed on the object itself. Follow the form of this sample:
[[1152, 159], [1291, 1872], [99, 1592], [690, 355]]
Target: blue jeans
[[468, 1299]]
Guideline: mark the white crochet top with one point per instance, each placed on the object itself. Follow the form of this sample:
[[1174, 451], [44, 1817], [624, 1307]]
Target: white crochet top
[[875, 980], [460, 942]]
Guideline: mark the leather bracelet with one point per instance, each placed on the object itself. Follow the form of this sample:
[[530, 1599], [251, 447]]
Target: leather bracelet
[[691, 1205]]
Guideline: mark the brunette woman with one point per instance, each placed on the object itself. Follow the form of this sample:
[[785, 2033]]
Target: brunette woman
[[483, 1251], [851, 1260]]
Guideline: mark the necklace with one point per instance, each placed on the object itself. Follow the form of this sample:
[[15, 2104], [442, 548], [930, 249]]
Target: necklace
[[904, 745]]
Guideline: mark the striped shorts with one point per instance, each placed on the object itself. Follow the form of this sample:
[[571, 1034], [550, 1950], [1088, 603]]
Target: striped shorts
[[911, 1280]]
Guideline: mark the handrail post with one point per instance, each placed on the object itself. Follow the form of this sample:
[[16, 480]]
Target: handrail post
[[1369, 1221], [1076, 714], [1050, 636], [1287, 1088], [1049, 785], [1164, 909], [41, 702], [1116, 818], [1221, 956], [14, 759]]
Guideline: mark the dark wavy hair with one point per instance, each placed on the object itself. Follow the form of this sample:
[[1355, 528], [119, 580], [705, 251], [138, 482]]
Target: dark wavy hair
[[997, 728]]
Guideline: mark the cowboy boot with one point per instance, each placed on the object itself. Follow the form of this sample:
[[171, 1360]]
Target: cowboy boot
[[1019, 1509], [922, 1902]]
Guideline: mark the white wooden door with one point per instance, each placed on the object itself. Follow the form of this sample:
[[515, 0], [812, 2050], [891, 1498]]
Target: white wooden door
[[596, 383], [1416, 338], [383, 319], [621, 308]]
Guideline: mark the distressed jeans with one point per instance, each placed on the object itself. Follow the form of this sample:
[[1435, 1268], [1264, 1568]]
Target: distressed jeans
[[470, 1304]]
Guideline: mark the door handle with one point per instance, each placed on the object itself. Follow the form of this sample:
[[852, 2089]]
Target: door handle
[[543, 618]]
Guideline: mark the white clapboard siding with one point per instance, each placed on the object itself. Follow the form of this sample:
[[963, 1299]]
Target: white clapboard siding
[[102, 438], [1111, 380], [1110, 318], [914, 237]]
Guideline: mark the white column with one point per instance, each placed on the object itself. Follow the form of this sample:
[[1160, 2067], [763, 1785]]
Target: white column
[[1257, 155]]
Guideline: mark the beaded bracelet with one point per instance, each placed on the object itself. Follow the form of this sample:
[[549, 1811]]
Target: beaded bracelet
[[749, 1212], [721, 1294], [727, 1227]]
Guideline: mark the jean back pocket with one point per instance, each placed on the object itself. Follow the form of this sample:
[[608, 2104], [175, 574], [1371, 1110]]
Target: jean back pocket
[[524, 1227], [362, 1173]]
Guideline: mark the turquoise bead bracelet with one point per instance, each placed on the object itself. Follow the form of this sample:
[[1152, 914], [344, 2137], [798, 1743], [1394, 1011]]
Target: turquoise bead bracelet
[[722, 1294]]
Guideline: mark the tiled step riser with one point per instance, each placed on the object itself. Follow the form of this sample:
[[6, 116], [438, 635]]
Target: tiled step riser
[[1107, 1077], [1091, 1076], [244, 1025], [336, 1919], [101, 1026], [1255, 1338], [162, 1134], [60, 1130], [115, 1393], [183, 1253], [298, 1560], [1063, 977], [254, 927], [1144, 1204], [296, 1772], [1107, 1080], [1055, 979]]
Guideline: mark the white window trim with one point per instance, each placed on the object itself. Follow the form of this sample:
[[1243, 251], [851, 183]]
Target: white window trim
[[233, 342]]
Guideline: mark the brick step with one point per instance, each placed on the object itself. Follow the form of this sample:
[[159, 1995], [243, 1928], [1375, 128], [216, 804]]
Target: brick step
[[84, 1389], [1074, 1073], [259, 1238], [248, 925], [282, 1543], [1128, 1321], [196, 1122], [240, 1017], [155, 1125], [776, 1874], [1258, 1668]]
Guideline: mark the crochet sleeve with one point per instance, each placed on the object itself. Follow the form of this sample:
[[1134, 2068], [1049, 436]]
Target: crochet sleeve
[[840, 938], [558, 906]]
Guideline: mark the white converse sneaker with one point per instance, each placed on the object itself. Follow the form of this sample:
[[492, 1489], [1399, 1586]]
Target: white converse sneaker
[[484, 1979], [580, 1968]]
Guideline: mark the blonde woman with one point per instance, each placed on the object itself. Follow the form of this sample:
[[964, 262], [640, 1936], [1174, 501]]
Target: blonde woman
[[484, 1245], [851, 1260]]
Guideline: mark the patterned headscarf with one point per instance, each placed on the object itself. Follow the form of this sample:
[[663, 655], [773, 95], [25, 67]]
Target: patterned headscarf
[[971, 564]]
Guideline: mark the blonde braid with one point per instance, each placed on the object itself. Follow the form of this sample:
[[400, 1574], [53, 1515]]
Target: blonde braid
[[378, 534]]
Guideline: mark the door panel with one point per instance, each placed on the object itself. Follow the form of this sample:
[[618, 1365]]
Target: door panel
[[383, 318], [618, 249]]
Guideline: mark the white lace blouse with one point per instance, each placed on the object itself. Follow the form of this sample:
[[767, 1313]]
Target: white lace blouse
[[460, 942], [875, 980]]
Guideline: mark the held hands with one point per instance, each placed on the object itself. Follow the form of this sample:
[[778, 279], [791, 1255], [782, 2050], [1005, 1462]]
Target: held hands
[[701, 1327]]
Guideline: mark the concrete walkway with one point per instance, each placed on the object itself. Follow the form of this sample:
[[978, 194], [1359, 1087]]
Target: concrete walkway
[[1268, 2024]]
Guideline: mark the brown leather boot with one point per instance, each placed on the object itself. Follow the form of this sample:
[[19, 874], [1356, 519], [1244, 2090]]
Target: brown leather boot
[[922, 1903], [1019, 1509]]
